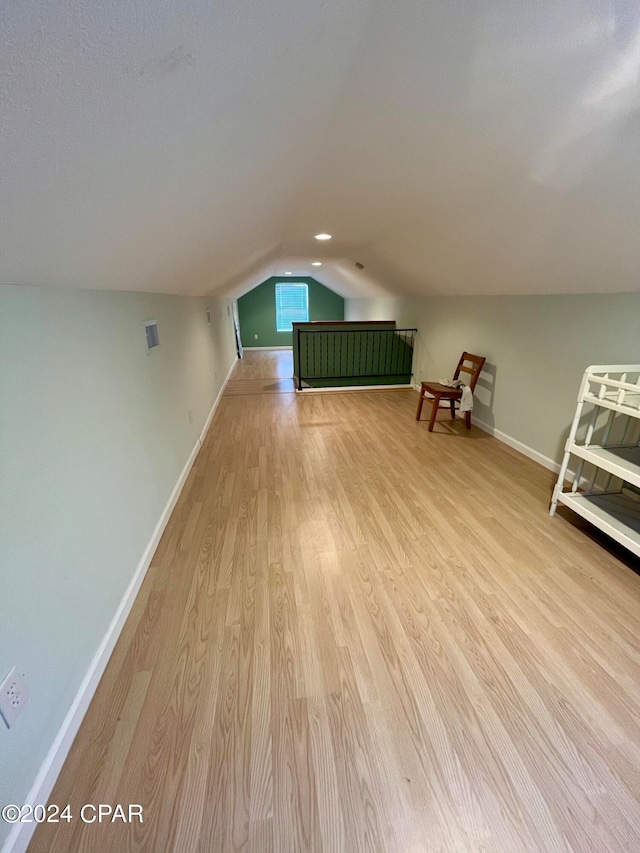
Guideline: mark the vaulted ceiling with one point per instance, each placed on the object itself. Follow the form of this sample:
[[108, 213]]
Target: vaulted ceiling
[[449, 146]]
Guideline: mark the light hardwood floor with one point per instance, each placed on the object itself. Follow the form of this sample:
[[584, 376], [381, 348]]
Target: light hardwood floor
[[263, 372], [357, 635]]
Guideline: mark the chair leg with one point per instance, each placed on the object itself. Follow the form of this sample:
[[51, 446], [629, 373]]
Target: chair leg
[[420, 402], [453, 409], [434, 409], [467, 419]]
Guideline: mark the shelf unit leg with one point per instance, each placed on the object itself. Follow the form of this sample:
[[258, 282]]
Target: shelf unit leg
[[565, 459]]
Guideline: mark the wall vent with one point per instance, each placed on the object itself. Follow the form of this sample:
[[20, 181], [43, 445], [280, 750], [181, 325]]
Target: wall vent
[[151, 332]]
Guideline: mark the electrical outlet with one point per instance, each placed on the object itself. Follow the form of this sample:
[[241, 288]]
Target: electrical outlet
[[255, 337], [14, 695]]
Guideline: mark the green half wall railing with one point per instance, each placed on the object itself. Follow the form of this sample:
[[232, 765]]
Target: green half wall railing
[[352, 356]]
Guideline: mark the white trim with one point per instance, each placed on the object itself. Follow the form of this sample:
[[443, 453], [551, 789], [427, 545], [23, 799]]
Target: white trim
[[328, 388], [264, 349], [18, 839], [538, 457]]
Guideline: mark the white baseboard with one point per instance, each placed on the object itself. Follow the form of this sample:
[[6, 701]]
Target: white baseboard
[[264, 349], [20, 836], [540, 458]]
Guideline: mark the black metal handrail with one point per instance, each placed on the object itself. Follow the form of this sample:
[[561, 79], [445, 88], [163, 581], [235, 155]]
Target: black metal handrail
[[354, 354]]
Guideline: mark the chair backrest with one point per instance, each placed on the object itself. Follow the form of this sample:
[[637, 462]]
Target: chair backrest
[[474, 365]]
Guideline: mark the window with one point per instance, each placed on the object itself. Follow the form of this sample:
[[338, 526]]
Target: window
[[292, 305]]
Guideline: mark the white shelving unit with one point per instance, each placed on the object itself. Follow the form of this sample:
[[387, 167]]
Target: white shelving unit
[[604, 445]]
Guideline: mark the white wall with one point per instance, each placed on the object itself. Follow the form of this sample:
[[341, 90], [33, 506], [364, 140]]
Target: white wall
[[93, 436], [537, 348]]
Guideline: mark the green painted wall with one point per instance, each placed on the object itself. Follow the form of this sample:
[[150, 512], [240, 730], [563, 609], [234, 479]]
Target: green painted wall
[[257, 311]]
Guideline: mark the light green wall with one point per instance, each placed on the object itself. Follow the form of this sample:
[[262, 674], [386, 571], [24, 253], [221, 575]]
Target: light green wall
[[537, 348], [93, 436], [257, 311]]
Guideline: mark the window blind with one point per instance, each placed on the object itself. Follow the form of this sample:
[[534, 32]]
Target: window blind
[[292, 305]]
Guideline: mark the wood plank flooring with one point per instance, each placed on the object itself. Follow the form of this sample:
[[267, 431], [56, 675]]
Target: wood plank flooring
[[263, 372], [357, 635]]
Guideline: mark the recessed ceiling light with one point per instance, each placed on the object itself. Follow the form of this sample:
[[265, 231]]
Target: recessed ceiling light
[[288, 273], [323, 236], [316, 263]]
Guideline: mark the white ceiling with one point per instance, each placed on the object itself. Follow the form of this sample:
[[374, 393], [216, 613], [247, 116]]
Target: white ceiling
[[450, 146]]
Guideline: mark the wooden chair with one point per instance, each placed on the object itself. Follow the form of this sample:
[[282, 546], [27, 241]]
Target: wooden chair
[[437, 391]]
